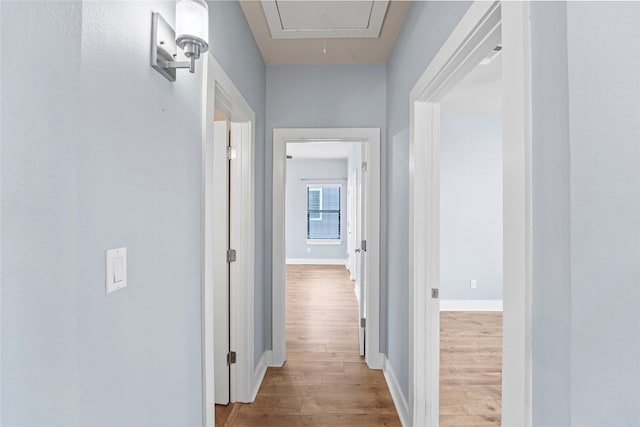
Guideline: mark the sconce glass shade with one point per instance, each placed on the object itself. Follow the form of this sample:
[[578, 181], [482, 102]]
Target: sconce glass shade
[[192, 27]]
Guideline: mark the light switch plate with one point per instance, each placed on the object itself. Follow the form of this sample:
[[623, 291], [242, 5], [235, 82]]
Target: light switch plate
[[116, 269]]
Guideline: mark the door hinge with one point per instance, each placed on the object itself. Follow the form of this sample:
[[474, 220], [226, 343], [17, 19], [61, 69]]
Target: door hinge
[[231, 358], [435, 293], [231, 255], [364, 166], [232, 153], [363, 246], [363, 323]]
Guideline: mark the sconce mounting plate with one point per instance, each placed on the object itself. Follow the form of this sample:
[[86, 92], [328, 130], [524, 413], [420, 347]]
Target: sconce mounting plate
[[164, 51]]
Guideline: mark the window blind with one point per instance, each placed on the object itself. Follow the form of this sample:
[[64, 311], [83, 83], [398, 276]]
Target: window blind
[[323, 212]]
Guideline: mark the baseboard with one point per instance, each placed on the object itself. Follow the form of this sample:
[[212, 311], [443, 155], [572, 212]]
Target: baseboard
[[471, 305], [271, 363], [317, 261], [375, 360], [259, 373], [394, 388]]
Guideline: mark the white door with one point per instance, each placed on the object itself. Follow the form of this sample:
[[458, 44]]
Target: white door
[[221, 268], [352, 222], [361, 252]]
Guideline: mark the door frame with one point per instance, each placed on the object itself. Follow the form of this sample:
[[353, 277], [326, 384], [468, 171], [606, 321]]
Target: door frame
[[352, 185], [479, 27], [219, 90], [222, 231], [371, 137]]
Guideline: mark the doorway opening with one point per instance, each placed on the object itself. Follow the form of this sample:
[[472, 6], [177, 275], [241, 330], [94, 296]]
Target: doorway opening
[[484, 26], [471, 205], [228, 241], [367, 147], [226, 231], [325, 212]]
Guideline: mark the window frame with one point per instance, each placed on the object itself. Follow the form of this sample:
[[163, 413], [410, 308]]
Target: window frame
[[316, 241]]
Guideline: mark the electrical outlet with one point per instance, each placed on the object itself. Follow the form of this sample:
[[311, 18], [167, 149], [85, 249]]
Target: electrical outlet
[[308, 250], [473, 284]]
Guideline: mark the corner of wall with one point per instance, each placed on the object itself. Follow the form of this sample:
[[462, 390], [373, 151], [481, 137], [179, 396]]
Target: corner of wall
[[399, 399]]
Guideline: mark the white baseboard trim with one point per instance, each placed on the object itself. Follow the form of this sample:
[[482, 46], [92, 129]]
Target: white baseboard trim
[[394, 388], [471, 305], [356, 290], [271, 363], [259, 373], [375, 360], [316, 261]]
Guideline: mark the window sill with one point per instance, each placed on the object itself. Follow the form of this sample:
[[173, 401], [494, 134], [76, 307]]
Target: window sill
[[334, 242]]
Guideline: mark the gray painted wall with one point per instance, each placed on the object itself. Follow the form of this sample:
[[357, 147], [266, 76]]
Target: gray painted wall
[[321, 96], [137, 188], [100, 151], [330, 172], [426, 27], [586, 269], [603, 44], [235, 49], [39, 194], [471, 207]]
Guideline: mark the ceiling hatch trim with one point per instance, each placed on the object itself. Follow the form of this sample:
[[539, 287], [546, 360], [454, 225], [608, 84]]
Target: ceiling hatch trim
[[322, 19]]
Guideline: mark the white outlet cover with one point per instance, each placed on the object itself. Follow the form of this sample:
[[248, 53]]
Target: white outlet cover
[[115, 269]]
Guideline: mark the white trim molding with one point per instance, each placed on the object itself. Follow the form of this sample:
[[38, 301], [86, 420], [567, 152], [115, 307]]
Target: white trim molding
[[370, 137], [259, 373], [324, 242], [219, 90], [470, 305], [402, 407], [517, 190], [376, 13], [485, 25], [207, 249], [316, 261]]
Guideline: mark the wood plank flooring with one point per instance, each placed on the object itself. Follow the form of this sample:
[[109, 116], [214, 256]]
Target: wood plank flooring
[[324, 382], [470, 369]]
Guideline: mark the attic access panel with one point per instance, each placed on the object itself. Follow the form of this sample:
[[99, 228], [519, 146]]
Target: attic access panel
[[319, 19]]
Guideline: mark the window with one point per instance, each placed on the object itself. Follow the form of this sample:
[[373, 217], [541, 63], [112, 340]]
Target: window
[[323, 212]]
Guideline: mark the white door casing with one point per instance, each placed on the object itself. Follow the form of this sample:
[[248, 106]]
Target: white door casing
[[241, 225], [219, 91], [361, 226], [370, 137], [221, 276], [484, 25], [351, 224]]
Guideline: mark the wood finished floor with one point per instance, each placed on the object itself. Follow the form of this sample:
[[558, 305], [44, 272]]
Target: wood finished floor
[[324, 382], [470, 369]]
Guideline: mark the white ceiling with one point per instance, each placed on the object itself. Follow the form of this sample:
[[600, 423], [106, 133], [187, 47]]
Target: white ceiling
[[332, 29], [480, 92], [320, 150]]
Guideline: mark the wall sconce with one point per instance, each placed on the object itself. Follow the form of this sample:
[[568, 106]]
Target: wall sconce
[[192, 29]]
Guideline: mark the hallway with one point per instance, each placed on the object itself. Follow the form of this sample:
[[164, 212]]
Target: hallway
[[324, 381]]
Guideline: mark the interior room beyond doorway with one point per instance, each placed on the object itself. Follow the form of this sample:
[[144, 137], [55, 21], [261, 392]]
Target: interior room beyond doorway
[[471, 240]]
